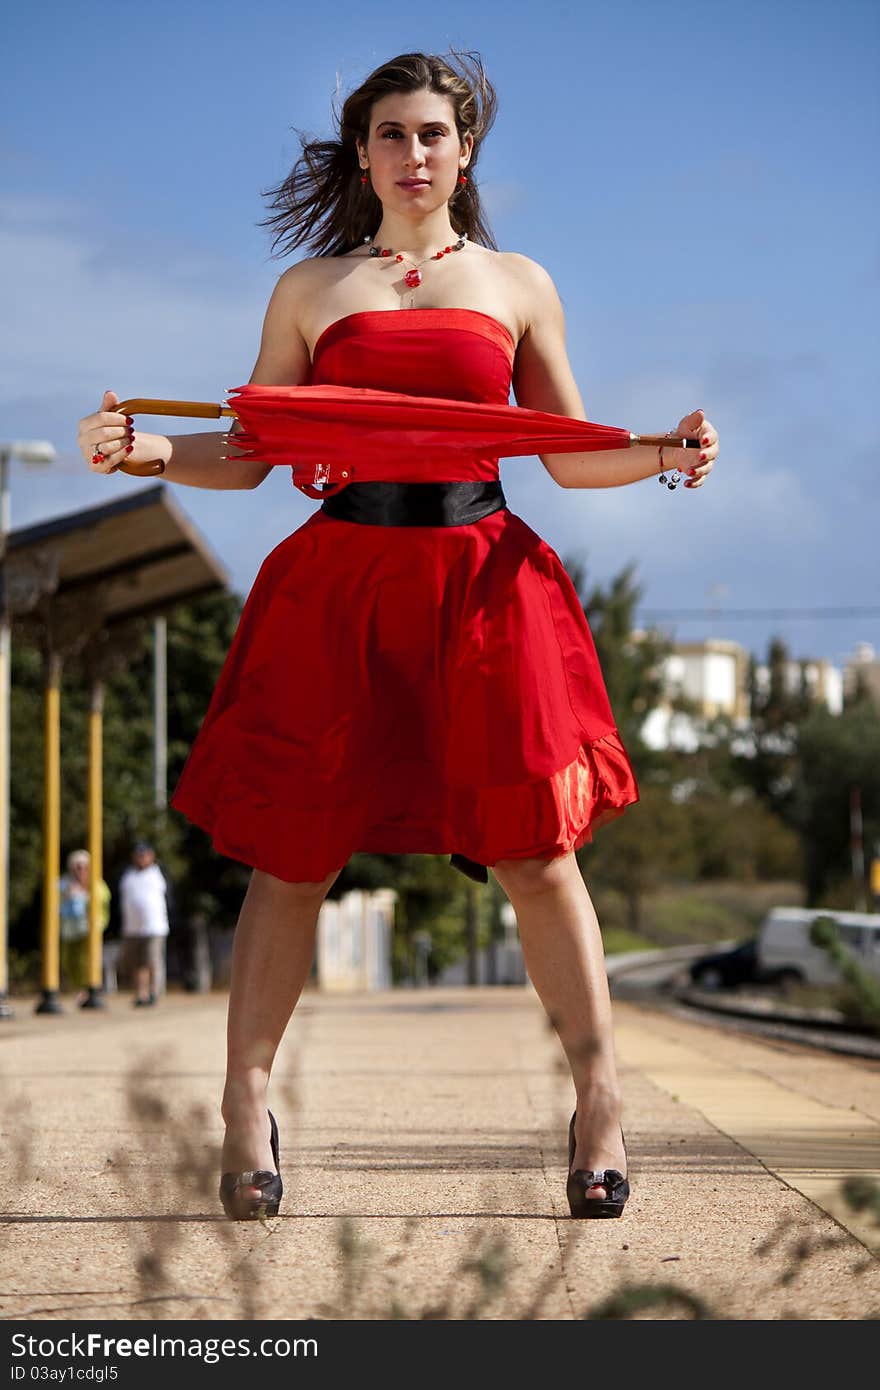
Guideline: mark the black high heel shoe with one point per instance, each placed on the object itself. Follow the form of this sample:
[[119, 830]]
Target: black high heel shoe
[[241, 1208], [582, 1179]]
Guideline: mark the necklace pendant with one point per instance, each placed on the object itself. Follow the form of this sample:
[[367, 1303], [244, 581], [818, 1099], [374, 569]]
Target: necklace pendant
[[413, 278]]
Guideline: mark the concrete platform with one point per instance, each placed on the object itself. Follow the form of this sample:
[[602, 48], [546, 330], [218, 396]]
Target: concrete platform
[[423, 1150]]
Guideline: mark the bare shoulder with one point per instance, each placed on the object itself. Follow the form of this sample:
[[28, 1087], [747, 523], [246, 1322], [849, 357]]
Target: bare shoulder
[[304, 274], [299, 284], [538, 298], [542, 375], [284, 354]]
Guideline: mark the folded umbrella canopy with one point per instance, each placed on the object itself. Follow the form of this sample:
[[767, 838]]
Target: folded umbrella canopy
[[334, 435]]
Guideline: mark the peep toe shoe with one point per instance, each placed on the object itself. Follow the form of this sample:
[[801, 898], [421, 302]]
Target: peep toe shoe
[[239, 1207], [582, 1179]]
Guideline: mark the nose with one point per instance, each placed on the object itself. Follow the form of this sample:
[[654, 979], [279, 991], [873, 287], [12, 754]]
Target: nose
[[415, 156]]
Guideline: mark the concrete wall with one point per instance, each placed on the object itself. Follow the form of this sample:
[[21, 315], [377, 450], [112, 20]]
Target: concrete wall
[[353, 950]]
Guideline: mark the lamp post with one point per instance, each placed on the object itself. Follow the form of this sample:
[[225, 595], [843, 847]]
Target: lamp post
[[33, 451]]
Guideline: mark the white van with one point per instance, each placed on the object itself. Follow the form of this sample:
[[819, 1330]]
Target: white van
[[785, 951]]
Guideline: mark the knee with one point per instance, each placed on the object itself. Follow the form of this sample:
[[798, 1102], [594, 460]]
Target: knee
[[304, 890], [528, 876]]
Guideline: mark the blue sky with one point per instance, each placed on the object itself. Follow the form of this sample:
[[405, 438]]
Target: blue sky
[[715, 247]]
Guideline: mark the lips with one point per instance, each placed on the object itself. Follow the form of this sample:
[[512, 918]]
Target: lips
[[413, 183]]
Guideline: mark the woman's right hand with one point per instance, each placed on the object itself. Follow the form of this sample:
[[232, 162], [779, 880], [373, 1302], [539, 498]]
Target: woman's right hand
[[112, 434]]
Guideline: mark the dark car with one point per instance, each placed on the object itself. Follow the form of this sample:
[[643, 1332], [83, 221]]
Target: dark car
[[722, 969]]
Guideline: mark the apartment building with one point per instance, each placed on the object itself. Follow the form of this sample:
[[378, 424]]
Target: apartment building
[[714, 676], [862, 668]]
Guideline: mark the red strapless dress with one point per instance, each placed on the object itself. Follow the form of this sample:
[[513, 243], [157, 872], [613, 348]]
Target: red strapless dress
[[408, 689]]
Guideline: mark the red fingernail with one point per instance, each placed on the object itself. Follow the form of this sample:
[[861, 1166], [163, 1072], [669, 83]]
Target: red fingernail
[[691, 472], [130, 421], [705, 441], [128, 448], [702, 458]]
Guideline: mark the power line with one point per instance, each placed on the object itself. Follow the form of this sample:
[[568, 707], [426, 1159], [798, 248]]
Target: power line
[[745, 613]]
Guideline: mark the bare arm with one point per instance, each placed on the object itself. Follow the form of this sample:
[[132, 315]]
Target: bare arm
[[543, 380], [195, 460]]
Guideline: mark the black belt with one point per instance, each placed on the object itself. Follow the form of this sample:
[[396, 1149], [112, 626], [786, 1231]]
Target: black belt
[[415, 504], [420, 504]]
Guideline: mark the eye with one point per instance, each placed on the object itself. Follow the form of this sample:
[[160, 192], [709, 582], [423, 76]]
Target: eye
[[387, 133]]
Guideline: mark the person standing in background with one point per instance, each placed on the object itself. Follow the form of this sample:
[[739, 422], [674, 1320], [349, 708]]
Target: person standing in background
[[146, 908], [73, 898]]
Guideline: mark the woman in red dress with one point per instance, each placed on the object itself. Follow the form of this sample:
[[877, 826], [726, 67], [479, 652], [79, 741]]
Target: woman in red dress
[[413, 671]]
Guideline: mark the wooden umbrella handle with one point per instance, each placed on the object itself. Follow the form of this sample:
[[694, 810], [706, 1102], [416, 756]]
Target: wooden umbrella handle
[[665, 441], [201, 410]]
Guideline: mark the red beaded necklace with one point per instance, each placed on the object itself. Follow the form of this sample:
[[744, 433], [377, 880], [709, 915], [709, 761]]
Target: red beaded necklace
[[414, 277]]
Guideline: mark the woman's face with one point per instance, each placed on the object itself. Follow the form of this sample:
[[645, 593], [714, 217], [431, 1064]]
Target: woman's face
[[413, 137]]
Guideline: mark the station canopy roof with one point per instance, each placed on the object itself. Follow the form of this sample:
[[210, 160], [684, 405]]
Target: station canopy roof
[[138, 556]]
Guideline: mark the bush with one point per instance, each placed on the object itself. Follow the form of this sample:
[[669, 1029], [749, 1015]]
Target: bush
[[741, 840], [860, 997], [683, 918]]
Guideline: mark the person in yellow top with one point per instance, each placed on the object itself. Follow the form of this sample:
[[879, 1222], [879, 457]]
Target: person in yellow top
[[74, 911], [875, 877]]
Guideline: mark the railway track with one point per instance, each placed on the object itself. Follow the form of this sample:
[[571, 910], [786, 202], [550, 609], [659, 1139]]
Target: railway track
[[658, 980]]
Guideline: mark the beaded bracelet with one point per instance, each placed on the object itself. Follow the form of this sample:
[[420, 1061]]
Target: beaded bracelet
[[672, 482]]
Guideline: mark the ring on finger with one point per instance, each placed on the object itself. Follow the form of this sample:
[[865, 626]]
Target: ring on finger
[[98, 457]]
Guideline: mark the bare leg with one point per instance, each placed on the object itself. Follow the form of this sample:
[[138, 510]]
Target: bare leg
[[271, 958], [157, 969], [142, 982], [563, 953]]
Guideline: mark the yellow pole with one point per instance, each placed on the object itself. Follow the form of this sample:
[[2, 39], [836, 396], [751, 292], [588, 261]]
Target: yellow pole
[[51, 925], [96, 848]]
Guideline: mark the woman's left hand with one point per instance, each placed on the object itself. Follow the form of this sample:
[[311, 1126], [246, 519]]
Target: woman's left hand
[[696, 470]]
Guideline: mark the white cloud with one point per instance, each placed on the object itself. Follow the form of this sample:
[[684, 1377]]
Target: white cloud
[[90, 306]]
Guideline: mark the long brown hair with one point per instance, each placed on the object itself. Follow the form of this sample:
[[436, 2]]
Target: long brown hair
[[322, 202]]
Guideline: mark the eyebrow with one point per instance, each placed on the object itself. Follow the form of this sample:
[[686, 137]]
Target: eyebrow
[[402, 127]]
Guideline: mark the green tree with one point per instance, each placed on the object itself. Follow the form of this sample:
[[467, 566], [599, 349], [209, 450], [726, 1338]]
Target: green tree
[[643, 848], [631, 660], [767, 763], [735, 836], [835, 753], [432, 898]]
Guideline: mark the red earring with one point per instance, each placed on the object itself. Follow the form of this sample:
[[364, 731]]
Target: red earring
[[364, 178], [461, 180]]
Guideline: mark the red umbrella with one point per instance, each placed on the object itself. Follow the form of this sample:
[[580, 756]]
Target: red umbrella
[[338, 434]]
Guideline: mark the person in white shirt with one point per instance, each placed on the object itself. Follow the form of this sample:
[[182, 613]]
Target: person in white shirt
[[143, 902]]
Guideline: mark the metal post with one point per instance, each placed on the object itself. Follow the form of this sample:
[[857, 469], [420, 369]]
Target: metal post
[[857, 847], [471, 920], [94, 997], [30, 451], [160, 712], [50, 930]]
